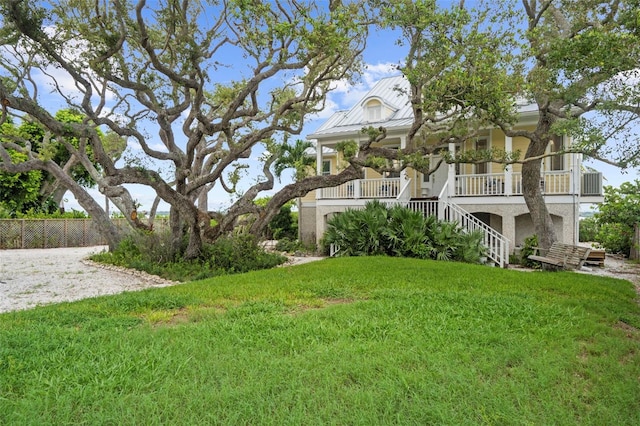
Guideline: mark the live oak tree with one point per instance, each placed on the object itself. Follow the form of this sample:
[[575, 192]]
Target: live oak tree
[[577, 60], [199, 88], [584, 59]]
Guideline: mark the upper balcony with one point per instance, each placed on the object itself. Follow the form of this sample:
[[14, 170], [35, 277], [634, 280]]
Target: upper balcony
[[472, 185], [385, 188], [551, 183]]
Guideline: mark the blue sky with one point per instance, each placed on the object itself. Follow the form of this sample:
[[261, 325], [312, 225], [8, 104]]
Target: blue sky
[[381, 54], [380, 57]]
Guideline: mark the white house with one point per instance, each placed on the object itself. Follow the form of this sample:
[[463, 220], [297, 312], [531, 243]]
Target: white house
[[486, 196]]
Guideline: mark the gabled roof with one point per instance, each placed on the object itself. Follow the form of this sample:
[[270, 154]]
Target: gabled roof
[[393, 91]]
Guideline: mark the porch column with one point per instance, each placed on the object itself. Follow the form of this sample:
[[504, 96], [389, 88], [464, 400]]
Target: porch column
[[509, 230], [404, 176], [575, 166], [318, 167], [403, 145], [508, 176], [451, 177]]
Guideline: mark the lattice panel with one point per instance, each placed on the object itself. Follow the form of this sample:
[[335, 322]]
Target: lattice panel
[[10, 234], [53, 233], [48, 233], [33, 235]]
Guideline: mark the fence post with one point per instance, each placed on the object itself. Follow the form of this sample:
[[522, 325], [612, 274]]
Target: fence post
[[635, 243], [22, 234]]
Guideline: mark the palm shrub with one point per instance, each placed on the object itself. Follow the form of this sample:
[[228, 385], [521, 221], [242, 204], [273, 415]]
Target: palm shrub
[[407, 233], [400, 231], [470, 248], [359, 232]]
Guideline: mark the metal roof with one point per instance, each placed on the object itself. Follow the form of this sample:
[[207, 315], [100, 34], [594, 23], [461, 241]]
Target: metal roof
[[393, 93]]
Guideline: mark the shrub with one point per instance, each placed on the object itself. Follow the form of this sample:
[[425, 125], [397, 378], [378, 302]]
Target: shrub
[[359, 232], [240, 253], [283, 224], [617, 216], [530, 243], [399, 231], [588, 229], [151, 252], [615, 237]]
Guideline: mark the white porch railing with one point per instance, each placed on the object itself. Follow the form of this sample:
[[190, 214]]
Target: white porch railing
[[551, 183], [427, 208], [497, 244], [476, 185], [493, 184], [364, 188]]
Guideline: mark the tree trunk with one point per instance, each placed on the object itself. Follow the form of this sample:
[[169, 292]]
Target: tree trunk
[[58, 195], [532, 183], [531, 189], [175, 225], [105, 226]]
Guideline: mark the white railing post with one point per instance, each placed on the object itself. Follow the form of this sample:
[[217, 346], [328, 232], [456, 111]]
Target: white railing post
[[357, 188], [404, 194], [508, 179]]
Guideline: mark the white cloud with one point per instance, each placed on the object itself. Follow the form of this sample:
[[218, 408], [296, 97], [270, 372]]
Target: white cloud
[[345, 94], [329, 109], [374, 72]]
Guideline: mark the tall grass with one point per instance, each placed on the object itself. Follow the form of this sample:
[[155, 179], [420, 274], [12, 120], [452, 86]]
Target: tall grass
[[342, 341]]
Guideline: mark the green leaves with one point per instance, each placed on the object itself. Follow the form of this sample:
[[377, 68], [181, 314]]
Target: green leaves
[[294, 156], [348, 148], [19, 191], [400, 231], [618, 215], [460, 63]]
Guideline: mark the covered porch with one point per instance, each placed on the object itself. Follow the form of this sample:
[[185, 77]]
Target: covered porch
[[588, 184]]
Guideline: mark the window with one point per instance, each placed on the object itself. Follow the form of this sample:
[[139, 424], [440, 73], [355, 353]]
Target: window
[[557, 145], [326, 167], [482, 168], [373, 111]]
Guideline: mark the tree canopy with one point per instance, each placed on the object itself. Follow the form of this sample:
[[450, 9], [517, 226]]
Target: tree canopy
[[578, 61], [39, 191], [200, 88]]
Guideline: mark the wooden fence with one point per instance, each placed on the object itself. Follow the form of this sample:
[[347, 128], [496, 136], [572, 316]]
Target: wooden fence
[[54, 233]]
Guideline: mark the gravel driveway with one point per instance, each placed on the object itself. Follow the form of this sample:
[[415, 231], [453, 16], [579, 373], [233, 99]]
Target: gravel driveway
[[34, 277]]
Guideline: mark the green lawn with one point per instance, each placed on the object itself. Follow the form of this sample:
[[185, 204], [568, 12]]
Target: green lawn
[[341, 341]]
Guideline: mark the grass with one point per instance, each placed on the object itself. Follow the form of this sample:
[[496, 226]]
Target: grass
[[341, 341]]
